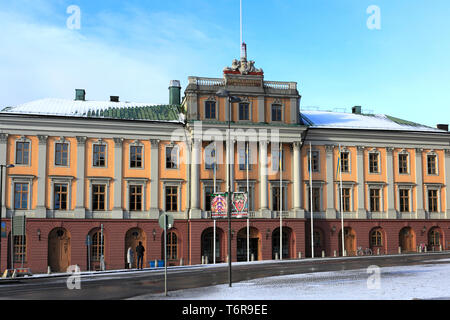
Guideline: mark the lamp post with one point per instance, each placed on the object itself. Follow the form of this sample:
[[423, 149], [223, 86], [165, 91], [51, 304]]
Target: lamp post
[[222, 93], [1, 205]]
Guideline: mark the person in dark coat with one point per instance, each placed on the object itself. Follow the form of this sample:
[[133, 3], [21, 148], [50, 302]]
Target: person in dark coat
[[140, 255]]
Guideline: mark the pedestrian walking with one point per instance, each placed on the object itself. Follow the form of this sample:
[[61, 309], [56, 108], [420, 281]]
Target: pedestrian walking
[[130, 257], [140, 255]]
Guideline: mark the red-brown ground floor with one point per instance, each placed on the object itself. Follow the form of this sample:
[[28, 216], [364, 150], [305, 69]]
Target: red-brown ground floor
[[59, 243]]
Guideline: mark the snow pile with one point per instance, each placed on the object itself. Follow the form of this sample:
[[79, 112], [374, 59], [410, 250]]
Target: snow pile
[[428, 281]]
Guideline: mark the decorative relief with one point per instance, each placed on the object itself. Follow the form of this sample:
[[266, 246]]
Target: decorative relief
[[81, 140], [3, 137], [243, 66], [42, 139]]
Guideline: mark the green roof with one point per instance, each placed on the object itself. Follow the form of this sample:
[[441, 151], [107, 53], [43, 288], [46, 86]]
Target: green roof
[[152, 113]]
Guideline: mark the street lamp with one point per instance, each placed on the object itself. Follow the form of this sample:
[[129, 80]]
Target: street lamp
[[1, 205], [222, 93]]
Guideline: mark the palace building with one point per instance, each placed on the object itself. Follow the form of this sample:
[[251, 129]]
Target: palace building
[[108, 169]]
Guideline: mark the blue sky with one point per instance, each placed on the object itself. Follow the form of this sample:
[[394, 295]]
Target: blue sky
[[134, 48]]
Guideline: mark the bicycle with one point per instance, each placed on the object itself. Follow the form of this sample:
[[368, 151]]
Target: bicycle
[[365, 252]]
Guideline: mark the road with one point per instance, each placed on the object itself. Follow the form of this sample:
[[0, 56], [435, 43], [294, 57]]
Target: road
[[129, 284]]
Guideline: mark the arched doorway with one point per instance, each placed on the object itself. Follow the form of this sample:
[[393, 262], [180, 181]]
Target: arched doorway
[[208, 244], [96, 249], [132, 238], [376, 240], [59, 250], [407, 240], [319, 245], [349, 241], [285, 242], [435, 239], [254, 244]]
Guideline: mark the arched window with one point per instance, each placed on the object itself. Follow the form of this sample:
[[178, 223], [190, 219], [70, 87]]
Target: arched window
[[172, 246], [434, 237], [376, 238], [98, 245]]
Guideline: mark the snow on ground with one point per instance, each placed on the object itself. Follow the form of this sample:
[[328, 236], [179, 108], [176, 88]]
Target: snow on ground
[[431, 281]]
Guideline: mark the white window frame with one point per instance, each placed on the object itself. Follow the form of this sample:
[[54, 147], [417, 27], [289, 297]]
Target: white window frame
[[345, 150], [100, 142], [317, 185], [61, 180], [100, 180], [377, 186], [409, 187], [142, 182], [172, 183], [27, 179], [437, 188], [136, 143], [408, 162], [26, 140], [61, 140], [377, 152], [177, 147], [432, 153]]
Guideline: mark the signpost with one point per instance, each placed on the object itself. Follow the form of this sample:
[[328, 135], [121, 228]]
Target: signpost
[[165, 222]]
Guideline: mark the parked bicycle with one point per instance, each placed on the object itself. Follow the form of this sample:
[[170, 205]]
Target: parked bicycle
[[363, 252]]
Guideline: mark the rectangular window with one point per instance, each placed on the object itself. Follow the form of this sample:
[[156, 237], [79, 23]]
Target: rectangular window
[[276, 112], [20, 249], [276, 160], [61, 154], [345, 162], [21, 196], [171, 157], [315, 161], [208, 192], [374, 163], [244, 111], [431, 164], [60, 196], [135, 198], [210, 110], [171, 198], [404, 200], [136, 156], [22, 152], [276, 199], [98, 197], [315, 199], [375, 197], [244, 159], [432, 200], [345, 200], [402, 163], [99, 155]]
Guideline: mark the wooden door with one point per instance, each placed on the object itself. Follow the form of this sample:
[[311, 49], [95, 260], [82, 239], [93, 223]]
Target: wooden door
[[407, 240], [350, 242], [59, 250]]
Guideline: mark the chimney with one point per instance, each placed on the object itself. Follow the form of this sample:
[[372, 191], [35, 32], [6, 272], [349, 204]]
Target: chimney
[[114, 98], [175, 92], [80, 94], [356, 109], [443, 127]]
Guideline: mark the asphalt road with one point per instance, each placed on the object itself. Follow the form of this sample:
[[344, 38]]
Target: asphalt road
[[129, 284]]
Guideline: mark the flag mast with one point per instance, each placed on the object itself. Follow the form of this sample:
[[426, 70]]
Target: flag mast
[[311, 200]]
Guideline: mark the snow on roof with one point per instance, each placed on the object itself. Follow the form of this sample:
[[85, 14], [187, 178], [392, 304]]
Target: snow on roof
[[86, 108], [341, 120]]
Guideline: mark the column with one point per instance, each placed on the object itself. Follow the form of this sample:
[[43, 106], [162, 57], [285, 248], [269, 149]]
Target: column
[[117, 211], [297, 174], [419, 185], [330, 211], [41, 210], [447, 183], [263, 179], [392, 213], [80, 211], [195, 179], [154, 179], [362, 213], [3, 150]]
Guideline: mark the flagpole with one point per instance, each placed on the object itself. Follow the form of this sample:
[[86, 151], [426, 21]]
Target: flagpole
[[281, 202], [342, 216], [248, 198], [214, 229], [311, 200]]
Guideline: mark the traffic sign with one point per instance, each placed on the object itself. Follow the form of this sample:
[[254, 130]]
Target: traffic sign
[[169, 220]]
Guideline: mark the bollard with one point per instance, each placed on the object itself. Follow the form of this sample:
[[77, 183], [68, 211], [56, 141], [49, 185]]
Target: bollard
[[181, 261], [378, 251], [276, 255], [433, 248], [203, 259], [345, 253], [226, 259], [252, 257], [299, 255], [156, 263], [49, 270], [425, 249], [334, 253], [440, 247], [323, 253], [206, 259], [399, 250]]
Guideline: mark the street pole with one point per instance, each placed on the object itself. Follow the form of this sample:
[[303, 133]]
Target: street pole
[[165, 254], [1, 207], [229, 193]]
